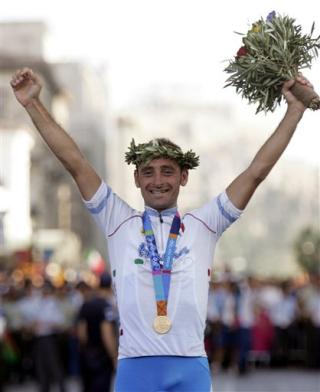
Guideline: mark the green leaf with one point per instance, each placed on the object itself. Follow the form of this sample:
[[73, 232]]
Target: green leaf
[[275, 54]]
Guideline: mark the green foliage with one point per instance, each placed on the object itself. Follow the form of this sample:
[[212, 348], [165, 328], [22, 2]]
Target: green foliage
[[160, 148], [274, 50], [307, 250]]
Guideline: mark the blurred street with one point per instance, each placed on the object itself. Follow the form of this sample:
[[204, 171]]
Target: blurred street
[[294, 380], [269, 381], [71, 386]]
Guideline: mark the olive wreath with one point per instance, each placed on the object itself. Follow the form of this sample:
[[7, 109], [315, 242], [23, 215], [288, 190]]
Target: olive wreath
[[143, 153]]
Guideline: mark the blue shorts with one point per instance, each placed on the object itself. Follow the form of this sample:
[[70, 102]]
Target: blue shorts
[[163, 374]]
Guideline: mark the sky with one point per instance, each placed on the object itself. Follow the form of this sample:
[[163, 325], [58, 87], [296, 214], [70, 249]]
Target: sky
[[148, 44]]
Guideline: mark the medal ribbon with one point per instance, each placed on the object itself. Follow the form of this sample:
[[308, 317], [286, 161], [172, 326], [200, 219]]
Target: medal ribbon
[[161, 274]]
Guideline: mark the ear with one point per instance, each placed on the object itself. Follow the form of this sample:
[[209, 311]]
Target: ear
[[136, 178], [184, 177]]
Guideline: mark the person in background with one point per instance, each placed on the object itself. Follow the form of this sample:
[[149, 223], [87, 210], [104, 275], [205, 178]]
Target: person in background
[[213, 340], [246, 318], [3, 323], [46, 320], [282, 314], [97, 326], [313, 312]]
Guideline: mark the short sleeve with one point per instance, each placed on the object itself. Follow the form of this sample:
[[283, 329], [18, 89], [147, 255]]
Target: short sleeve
[[219, 213], [107, 209], [109, 313], [226, 212]]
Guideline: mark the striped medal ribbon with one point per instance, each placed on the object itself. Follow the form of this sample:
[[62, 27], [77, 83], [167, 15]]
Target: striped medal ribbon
[[161, 273]]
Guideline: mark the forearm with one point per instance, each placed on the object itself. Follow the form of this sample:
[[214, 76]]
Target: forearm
[[273, 148], [82, 333], [111, 347], [109, 341], [27, 86], [57, 139], [243, 187]]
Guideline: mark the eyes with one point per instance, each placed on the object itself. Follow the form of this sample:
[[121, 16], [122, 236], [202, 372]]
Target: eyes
[[147, 173], [166, 171]]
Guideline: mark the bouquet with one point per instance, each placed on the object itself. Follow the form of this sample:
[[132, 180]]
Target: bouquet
[[274, 50]]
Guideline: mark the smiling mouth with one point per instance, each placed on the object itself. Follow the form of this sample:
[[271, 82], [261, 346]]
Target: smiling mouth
[[159, 191]]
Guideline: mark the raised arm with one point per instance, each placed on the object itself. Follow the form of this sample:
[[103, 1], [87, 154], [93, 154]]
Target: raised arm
[[243, 187], [27, 86]]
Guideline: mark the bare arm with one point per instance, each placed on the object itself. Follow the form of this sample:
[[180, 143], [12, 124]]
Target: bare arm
[[243, 187], [82, 332], [109, 341], [27, 86]]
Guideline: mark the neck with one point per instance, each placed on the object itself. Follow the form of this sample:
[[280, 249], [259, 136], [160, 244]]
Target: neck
[[160, 210]]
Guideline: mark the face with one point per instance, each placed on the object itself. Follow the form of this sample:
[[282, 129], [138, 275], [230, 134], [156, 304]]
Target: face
[[160, 182]]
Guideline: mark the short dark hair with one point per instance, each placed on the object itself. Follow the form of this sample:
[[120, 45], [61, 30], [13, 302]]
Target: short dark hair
[[105, 280]]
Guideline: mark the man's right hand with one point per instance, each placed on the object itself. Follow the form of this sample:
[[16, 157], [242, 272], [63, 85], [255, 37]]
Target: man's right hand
[[26, 86]]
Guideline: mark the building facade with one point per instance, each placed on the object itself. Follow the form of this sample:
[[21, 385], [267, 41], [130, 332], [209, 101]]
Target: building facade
[[38, 195]]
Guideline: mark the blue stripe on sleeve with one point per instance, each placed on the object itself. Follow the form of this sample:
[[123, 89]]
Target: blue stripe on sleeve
[[102, 204], [230, 218]]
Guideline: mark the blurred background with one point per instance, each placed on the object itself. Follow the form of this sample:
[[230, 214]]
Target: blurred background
[[117, 70]]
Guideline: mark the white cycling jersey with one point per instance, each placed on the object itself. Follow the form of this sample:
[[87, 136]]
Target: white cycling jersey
[[132, 276]]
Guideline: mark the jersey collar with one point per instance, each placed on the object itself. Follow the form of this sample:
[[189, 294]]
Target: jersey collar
[[167, 212]]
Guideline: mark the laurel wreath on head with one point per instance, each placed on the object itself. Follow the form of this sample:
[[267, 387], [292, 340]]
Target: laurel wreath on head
[[144, 153]]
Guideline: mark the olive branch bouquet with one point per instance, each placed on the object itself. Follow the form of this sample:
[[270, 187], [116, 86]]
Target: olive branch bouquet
[[274, 50]]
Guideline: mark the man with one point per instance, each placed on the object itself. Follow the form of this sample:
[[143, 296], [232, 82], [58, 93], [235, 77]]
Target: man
[[45, 319], [161, 334], [96, 332]]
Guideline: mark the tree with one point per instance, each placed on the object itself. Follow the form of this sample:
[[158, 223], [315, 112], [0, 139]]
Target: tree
[[307, 250]]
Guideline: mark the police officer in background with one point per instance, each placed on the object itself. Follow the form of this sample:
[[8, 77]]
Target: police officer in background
[[96, 327]]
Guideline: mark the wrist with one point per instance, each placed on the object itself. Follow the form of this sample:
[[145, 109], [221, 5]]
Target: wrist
[[295, 112], [31, 103]]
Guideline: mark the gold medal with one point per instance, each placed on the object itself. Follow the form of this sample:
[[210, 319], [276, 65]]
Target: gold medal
[[162, 324]]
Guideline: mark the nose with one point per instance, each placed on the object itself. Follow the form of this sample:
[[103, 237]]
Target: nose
[[157, 178]]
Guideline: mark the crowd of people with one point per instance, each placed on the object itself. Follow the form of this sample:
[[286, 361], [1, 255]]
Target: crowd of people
[[50, 333], [251, 322], [254, 322]]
